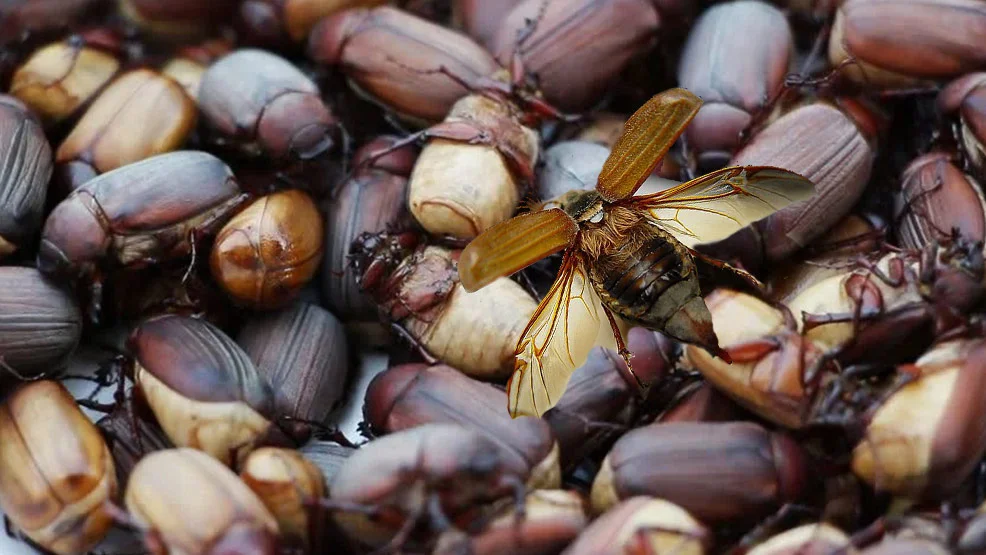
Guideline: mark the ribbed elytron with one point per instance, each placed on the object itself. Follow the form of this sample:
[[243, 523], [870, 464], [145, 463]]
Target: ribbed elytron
[[632, 257]]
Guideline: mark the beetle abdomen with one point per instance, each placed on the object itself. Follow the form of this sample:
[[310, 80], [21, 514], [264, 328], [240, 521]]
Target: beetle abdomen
[[656, 286]]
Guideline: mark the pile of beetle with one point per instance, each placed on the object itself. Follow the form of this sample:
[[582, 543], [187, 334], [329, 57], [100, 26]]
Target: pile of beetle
[[259, 191]]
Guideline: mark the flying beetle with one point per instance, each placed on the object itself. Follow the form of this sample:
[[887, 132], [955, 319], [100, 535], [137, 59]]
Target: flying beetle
[[627, 259]]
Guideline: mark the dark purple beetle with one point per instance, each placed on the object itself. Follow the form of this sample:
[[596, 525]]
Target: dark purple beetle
[[27, 166], [266, 106], [139, 214]]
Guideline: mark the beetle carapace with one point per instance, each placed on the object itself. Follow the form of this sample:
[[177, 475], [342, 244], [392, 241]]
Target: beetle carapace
[[625, 256]]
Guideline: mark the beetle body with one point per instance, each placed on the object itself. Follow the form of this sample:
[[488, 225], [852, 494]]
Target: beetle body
[[141, 212], [268, 252], [60, 78], [267, 106], [26, 160], [203, 389], [226, 518], [40, 324], [104, 138], [302, 352], [56, 472]]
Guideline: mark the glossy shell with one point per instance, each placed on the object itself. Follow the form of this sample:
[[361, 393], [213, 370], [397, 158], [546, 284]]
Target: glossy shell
[[105, 138], [265, 254], [226, 513], [204, 390], [55, 469]]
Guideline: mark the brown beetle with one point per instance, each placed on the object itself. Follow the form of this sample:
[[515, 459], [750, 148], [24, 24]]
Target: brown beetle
[[301, 351], [24, 183], [391, 56], [104, 138], [735, 77], [890, 309], [938, 202], [770, 358], [60, 78], [412, 395], [56, 472], [266, 106], [268, 252], [716, 472], [226, 518], [644, 525], [927, 454], [472, 173], [283, 24], [374, 199], [288, 484], [203, 389], [573, 72], [143, 212], [40, 324], [430, 478], [886, 44], [416, 286], [839, 164]]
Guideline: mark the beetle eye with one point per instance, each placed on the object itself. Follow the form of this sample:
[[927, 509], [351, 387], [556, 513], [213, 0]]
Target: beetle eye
[[597, 217]]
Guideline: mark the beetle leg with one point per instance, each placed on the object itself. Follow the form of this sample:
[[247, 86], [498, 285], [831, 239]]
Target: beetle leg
[[411, 139], [624, 352]]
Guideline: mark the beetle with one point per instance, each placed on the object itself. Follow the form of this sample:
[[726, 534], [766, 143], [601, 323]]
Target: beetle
[[266, 106], [203, 389], [40, 324], [56, 472], [60, 78], [104, 139], [227, 517], [625, 256], [438, 476], [269, 251], [24, 183], [137, 215]]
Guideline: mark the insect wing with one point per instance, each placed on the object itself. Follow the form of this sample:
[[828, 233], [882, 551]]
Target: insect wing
[[647, 136], [567, 324], [714, 206], [513, 245]]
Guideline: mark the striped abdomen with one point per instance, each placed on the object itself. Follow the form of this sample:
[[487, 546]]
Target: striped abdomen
[[656, 287]]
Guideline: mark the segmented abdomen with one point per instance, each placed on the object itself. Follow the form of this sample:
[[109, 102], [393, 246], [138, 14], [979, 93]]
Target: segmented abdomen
[[648, 286]]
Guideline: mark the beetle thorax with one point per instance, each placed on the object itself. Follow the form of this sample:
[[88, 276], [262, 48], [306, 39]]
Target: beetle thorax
[[582, 206]]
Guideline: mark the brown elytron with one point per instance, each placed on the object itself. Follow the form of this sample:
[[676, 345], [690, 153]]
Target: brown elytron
[[626, 256]]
